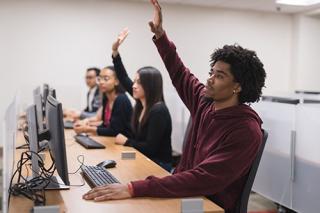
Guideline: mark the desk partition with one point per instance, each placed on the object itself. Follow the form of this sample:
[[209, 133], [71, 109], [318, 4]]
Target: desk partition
[[290, 166], [274, 173]]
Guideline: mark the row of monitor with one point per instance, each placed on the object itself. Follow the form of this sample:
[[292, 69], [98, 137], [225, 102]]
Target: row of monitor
[[45, 124]]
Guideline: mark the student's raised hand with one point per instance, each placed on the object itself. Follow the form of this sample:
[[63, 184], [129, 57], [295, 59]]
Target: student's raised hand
[[121, 139], [108, 192], [156, 24], [121, 37]]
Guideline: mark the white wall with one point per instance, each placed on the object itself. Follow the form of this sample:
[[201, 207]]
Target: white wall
[[307, 48], [55, 41]]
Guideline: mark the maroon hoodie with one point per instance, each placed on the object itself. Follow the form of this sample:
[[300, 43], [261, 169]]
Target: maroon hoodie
[[220, 148]]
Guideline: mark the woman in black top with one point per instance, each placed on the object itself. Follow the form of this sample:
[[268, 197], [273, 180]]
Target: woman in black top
[[116, 110], [151, 122]]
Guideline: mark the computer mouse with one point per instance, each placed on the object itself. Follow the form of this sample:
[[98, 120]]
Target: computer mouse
[[107, 164]]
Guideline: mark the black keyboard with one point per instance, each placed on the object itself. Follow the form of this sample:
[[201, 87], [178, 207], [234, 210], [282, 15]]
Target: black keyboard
[[97, 176], [68, 124], [88, 143]]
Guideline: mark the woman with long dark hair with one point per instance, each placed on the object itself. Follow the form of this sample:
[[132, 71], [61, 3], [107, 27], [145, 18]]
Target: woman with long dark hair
[[151, 121], [116, 110]]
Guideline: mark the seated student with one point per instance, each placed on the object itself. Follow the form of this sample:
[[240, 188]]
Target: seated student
[[116, 108], [225, 135], [151, 121], [93, 97]]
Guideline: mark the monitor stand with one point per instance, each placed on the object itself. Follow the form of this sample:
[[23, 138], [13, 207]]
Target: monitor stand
[[43, 145], [56, 183]]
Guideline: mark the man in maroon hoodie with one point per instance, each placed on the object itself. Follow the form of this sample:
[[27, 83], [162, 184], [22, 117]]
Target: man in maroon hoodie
[[225, 135]]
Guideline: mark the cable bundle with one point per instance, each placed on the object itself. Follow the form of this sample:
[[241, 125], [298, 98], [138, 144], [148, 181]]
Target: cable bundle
[[33, 188]]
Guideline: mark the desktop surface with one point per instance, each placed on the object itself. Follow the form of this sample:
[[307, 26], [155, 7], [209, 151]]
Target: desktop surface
[[126, 171]]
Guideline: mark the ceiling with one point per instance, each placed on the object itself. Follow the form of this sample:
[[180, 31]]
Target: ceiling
[[257, 5]]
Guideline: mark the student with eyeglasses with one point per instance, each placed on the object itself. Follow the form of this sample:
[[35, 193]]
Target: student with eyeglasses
[[151, 121], [115, 114], [93, 98]]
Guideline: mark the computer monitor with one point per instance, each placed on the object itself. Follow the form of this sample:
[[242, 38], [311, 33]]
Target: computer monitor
[[52, 92], [45, 94], [33, 139], [37, 100], [37, 90], [57, 140]]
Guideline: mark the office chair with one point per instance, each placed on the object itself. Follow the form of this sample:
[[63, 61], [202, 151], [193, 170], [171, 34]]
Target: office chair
[[176, 156], [242, 203]]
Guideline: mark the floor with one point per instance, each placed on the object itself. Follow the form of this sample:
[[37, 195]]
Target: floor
[[259, 204]]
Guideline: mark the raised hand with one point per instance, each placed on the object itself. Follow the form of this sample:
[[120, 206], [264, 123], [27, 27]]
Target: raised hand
[[156, 24], [121, 37]]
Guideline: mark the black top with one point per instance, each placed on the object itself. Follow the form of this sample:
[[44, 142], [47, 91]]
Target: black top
[[120, 117], [154, 137]]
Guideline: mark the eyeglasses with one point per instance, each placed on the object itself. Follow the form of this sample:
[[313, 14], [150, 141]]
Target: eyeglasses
[[90, 77], [105, 78]]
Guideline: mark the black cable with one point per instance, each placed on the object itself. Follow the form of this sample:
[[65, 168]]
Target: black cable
[[26, 139], [81, 162], [28, 188]]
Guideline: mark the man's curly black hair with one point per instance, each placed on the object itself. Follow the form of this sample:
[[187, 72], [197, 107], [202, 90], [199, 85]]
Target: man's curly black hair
[[246, 68]]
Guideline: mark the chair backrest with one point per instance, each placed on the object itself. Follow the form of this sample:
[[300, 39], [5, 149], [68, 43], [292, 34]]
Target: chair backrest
[[243, 201], [176, 156], [186, 133]]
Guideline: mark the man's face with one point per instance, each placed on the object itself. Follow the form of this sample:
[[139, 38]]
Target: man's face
[[91, 78], [220, 84]]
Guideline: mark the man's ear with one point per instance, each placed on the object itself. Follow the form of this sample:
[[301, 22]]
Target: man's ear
[[237, 88]]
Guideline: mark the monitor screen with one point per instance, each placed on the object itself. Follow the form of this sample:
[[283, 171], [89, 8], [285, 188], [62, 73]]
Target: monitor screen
[[57, 140]]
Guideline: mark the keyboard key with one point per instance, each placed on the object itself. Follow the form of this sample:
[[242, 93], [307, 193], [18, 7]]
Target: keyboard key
[[88, 142], [97, 176]]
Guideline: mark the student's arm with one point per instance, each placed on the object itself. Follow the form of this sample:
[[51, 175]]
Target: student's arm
[[188, 86], [221, 168], [95, 118], [84, 125], [121, 72], [120, 118], [223, 165], [84, 114], [157, 124], [86, 109]]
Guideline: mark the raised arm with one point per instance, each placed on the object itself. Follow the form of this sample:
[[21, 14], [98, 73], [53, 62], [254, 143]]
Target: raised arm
[[122, 75], [188, 86], [156, 24]]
